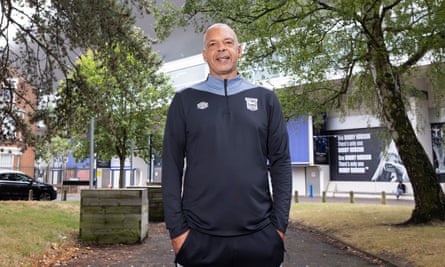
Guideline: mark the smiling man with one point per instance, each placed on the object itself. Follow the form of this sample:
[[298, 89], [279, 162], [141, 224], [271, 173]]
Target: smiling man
[[221, 51], [228, 135]]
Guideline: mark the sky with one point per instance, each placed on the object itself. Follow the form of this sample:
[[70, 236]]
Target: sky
[[181, 43]]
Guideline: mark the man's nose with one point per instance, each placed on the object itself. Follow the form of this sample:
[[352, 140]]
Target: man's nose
[[221, 47]]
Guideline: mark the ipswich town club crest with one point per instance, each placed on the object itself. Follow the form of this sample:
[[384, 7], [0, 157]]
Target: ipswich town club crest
[[251, 103]]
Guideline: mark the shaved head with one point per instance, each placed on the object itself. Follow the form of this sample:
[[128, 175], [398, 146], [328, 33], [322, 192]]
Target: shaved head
[[219, 25], [221, 51]]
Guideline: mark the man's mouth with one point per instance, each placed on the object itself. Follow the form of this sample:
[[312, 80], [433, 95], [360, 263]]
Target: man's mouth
[[221, 58]]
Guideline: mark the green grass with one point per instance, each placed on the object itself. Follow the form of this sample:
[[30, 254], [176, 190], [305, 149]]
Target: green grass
[[374, 228], [29, 228]]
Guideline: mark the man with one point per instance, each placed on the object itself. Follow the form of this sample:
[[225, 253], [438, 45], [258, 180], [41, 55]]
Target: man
[[400, 190], [228, 132]]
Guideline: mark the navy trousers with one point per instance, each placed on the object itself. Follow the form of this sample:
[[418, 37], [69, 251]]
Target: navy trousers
[[264, 248]]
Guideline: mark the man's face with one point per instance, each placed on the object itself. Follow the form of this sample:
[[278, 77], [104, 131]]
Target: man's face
[[221, 52]]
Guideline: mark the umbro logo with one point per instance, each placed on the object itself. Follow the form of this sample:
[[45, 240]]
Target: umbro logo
[[202, 105]]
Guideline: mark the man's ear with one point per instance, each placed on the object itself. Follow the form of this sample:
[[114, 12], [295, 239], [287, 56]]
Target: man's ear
[[204, 56], [240, 50]]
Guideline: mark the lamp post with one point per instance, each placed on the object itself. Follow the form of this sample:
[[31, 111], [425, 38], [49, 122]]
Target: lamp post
[[150, 170], [131, 163], [92, 153]]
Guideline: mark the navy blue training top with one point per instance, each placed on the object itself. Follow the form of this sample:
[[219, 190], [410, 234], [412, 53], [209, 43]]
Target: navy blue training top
[[219, 138]]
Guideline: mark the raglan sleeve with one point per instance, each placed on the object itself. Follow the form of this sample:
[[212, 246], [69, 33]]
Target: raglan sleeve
[[173, 154], [280, 166]]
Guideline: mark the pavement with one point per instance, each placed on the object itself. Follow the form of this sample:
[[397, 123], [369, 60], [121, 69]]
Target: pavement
[[304, 247]]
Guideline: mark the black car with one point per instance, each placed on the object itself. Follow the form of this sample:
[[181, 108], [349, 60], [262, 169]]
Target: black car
[[15, 185]]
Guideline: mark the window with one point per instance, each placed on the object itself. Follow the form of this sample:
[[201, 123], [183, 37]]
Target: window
[[22, 177], [7, 90], [6, 160], [8, 129]]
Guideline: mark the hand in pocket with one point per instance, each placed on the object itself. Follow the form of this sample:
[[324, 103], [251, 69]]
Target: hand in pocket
[[178, 241]]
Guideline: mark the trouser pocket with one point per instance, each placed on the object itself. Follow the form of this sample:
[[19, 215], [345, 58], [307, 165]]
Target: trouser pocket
[[264, 248]]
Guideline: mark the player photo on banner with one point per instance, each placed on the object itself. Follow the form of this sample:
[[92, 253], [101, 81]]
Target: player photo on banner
[[437, 132], [390, 167], [359, 155]]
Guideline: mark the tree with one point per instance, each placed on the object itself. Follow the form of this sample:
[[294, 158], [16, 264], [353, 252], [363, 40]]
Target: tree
[[56, 150], [371, 46], [123, 91], [40, 40]]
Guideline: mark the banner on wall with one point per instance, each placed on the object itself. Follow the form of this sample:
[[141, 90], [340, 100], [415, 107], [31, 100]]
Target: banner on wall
[[321, 149], [321, 142], [103, 163], [359, 155], [437, 140]]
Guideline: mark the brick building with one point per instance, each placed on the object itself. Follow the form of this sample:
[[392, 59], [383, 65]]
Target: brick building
[[17, 95]]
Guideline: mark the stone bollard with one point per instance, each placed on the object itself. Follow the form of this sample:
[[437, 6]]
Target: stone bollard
[[296, 196], [323, 197], [30, 197], [64, 195], [383, 198], [351, 197]]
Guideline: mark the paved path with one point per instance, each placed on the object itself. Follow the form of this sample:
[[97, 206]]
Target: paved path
[[309, 249], [304, 248]]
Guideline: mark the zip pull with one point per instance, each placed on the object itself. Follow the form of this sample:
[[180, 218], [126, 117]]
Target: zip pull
[[227, 97]]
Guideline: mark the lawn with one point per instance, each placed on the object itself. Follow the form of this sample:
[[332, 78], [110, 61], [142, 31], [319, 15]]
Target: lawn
[[29, 229], [374, 228]]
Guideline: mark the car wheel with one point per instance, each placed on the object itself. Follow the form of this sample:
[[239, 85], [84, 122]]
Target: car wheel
[[45, 196]]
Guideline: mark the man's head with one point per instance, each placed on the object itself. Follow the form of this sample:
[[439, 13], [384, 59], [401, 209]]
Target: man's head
[[221, 51]]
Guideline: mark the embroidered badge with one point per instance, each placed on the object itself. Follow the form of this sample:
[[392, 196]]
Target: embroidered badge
[[251, 103], [202, 105]]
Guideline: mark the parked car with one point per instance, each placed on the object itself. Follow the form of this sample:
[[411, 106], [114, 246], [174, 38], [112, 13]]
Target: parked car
[[15, 185]]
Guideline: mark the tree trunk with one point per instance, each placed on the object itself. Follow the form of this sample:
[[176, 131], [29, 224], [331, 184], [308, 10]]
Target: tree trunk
[[428, 195], [121, 172]]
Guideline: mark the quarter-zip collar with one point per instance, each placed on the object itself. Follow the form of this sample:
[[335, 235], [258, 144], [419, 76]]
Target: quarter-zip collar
[[216, 85]]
